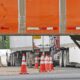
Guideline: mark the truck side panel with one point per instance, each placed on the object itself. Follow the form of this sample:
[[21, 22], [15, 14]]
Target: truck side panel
[[21, 42]]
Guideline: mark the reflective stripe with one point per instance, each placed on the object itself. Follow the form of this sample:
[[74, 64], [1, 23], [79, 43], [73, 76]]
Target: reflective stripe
[[78, 28], [23, 60], [32, 28], [36, 60], [42, 28], [50, 60], [46, 60], [49, 28], [23, 63], [42, 60]]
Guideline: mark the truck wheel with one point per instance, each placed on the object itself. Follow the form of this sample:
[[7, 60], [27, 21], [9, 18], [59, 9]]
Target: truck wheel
[[8, 64], [61, 60], [64, 59]]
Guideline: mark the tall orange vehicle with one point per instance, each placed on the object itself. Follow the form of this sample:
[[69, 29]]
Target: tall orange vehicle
[[39, 16], [73, 16], [8, 16], [42, 16]]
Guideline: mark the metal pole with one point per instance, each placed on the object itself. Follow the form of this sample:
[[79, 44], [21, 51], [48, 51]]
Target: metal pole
[[21, 16], [33, 43], [3, 42], [62, 16], [43, 44]]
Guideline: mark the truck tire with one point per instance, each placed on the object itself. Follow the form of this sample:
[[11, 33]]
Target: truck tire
[[61, 60], [8, 64], [65, 59]]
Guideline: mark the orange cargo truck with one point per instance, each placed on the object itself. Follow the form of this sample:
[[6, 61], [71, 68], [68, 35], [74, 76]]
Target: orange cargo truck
[[39, 17], [42, 16], [8, 16], [73, 16]]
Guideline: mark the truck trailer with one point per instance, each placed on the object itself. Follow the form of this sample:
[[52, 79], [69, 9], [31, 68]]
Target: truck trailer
[[68, 53], [18, 46], [4, 57]]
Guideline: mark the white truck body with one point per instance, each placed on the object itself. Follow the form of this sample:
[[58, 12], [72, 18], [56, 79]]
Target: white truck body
[[4, 56], [66, 41], [72, 56], [18, 43], [74, 51], [43, 42]]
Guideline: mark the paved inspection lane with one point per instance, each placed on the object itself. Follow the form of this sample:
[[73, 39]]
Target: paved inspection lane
[[57, 74]]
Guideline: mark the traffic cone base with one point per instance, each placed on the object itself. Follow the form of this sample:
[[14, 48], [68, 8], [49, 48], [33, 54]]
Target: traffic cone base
[[23, 66], [51, 66], [42, 64], [23, 69], [47, 63], [46, 67], [42, 68], [36, 65]]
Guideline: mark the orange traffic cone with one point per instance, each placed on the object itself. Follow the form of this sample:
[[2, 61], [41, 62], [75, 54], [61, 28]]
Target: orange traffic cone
[[42, 64], [51, 67], [23, 65], [47, 63], [36, 62]]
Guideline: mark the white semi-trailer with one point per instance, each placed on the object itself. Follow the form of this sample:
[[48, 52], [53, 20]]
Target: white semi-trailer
[[43, 43], [19, 45], [69, 54], [4, 57]]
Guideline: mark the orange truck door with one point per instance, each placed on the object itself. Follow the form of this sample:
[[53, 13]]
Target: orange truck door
[[8, 16], [42, 16], [73, 16]]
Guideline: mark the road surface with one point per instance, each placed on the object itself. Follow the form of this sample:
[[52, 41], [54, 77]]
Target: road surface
[[69, 76], [57, 74]]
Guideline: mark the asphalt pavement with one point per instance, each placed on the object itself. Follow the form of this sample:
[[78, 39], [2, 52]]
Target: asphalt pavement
[[47, 76], [57, 74]]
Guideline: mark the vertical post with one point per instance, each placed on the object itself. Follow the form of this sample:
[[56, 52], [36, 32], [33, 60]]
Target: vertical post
[[0, 62], [11, 60], [27, 58], [51, 45], [43, 43], [22, 16], [14, 61], [33, 43], [3, 42], [62, 16]]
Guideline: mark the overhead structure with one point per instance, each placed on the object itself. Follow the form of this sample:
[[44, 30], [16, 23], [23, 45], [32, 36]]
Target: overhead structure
[[39, 17]]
